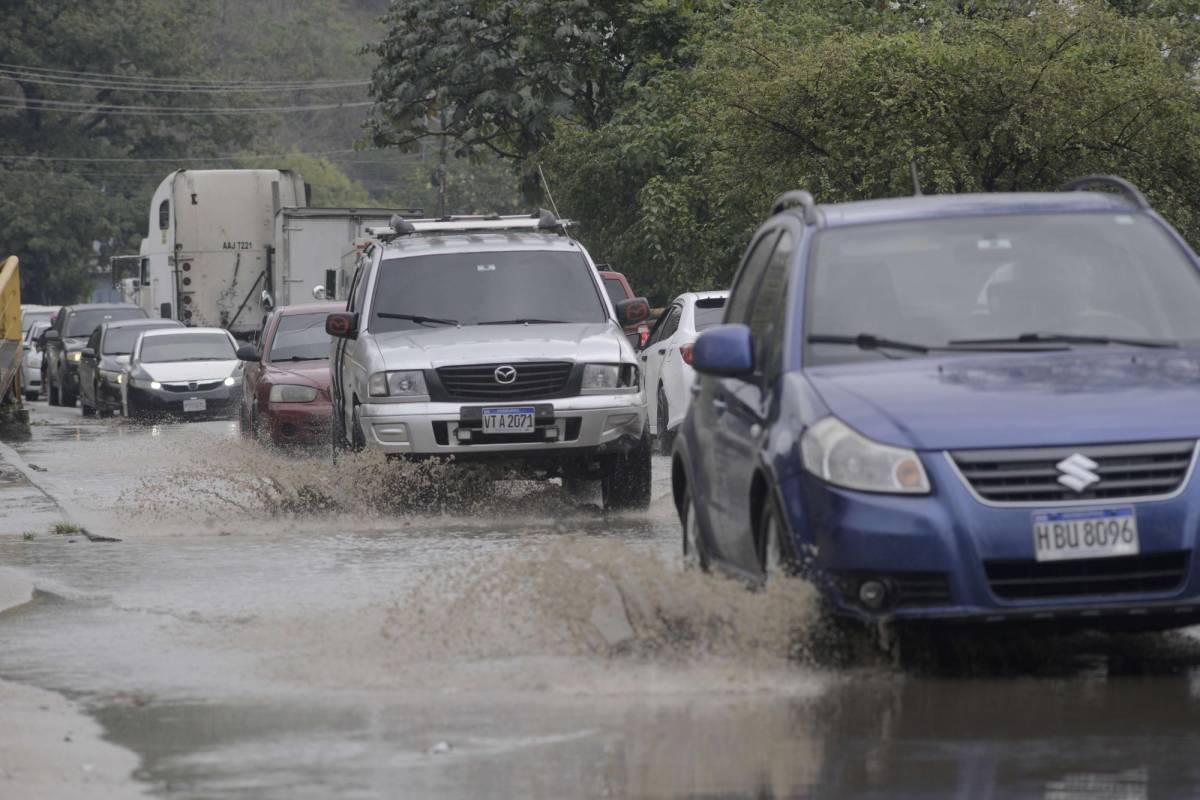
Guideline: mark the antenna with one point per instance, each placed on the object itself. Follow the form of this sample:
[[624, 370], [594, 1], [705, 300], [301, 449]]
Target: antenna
[[549, 195], [916, 179]]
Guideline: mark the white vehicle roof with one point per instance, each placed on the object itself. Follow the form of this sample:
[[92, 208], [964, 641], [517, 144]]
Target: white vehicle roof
[[158, 332], [478, 243]]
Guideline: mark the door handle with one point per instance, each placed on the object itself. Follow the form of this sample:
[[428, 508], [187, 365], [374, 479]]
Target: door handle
[[644, 356], [662, 350], [719, 406], [694, 389]]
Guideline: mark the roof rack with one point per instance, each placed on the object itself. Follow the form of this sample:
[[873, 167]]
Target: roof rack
[[542, 220], [798, 197], [1127, 189]]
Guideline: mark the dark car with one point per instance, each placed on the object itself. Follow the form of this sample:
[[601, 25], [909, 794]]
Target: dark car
[[64, 343], [618, 289], [977, 408], [189, 373], [286, 384], [105, 357]]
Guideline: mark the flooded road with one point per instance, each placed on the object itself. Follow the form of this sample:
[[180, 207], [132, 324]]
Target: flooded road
[[272, 627]]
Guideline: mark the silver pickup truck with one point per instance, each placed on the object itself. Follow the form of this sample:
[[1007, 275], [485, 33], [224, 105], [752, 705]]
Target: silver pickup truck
[[492, 339]]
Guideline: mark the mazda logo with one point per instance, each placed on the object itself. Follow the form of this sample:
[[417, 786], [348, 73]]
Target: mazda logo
[[191, 384], [1078, 472], [505, 374]]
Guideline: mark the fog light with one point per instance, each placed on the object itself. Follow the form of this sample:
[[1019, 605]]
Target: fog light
[[550, 434], [464, 434], [391, 432], [872, 594]]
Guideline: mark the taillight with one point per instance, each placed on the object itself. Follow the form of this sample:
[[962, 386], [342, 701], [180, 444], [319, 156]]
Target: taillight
[[643, 335], [686, 352]]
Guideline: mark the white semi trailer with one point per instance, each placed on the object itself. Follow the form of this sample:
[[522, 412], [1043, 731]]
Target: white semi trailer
[[208, 257], [310, 244]]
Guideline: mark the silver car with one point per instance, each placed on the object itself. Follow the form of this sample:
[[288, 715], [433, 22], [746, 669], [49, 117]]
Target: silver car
[[183, 372], [492, 339], [31, 360]]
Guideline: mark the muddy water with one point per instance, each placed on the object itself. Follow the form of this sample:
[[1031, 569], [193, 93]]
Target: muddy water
[[273, 627]]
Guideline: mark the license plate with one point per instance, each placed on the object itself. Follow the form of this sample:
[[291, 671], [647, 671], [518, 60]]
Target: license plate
[[1094, 533], [195, 405], [518, 419]]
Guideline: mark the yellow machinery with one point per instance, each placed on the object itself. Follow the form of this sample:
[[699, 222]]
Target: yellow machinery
[[10, 336]]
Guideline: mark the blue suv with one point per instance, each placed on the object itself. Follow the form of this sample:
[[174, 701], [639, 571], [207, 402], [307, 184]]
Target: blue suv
[[979, 408]]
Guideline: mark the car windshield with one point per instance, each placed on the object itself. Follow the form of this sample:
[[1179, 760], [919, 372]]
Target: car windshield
[[475, 288], [187, 347], [936, 282], [709, 311], [82, 323], [120, 341], [615, 289], [30, 317], [300, 337]]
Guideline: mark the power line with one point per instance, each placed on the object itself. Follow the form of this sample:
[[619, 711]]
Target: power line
[[405, 158], [73, 107], [153, 88], [109, 77]]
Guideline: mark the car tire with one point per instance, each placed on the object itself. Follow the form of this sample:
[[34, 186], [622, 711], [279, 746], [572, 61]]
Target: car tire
[[32, 394], [51, 391], [625, 481], [244, 423], [776, 555], [338, 433], [85, 409], [666, 438], [65, 397], [694, 555], [358, 440]]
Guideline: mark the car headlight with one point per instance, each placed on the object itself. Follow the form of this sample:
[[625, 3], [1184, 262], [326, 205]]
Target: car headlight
[[403, 385], [609, 379], [115, 377], [232, 379], [838, 454], [287, 393], [76, 356], [155, 385]]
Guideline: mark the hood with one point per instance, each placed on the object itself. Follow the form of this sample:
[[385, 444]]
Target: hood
[[304, 373], [72, 343], [1023, 400], [176, 371], [490, 344]]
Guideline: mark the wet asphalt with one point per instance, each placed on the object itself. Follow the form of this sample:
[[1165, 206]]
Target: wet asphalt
[[272, 626]]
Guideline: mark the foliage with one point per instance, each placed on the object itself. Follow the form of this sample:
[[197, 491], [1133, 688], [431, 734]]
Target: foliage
[[982, 96], [496, 74]]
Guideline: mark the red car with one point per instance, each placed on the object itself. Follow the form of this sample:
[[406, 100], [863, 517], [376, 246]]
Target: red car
[[285, 389], [619, 289]]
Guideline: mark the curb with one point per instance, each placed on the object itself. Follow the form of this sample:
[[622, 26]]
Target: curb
[[14, 459]]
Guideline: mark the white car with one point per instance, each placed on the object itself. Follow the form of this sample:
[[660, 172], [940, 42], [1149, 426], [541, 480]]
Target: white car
[[667, 358], [31, 360], [183, 372]]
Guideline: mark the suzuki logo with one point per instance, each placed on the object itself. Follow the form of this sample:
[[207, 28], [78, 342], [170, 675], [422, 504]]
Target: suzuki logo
[[1078, 472], [505, 374]]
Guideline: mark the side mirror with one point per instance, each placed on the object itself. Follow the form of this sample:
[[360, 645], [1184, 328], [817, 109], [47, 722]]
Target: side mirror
[[632, 311], [248, 352], [51, 335], [343, 325], [88, 353], [726, 351]]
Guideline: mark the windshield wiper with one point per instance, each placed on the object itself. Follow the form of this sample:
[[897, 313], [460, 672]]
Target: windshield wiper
[[523, 321], [1065, 338], [867, 341], [417, 318]]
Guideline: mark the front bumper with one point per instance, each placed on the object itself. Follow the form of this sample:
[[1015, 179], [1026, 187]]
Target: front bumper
[[949, 557], [31, 377], [297, 423], [564, 425], [220, 401]]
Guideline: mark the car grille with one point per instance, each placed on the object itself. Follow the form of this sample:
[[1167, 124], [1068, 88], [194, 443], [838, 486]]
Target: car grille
[[1028, 580], [198, 386], [535, 380], [1031, 475]]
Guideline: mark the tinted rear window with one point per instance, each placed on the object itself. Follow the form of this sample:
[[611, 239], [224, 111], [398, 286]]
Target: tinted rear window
[[120, 341], [478, 288], [615, 290], [300, 337], [187, 347], [709, 312], [82, 323]]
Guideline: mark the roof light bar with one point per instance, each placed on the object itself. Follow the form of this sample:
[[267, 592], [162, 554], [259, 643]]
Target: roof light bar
[[543, 220]]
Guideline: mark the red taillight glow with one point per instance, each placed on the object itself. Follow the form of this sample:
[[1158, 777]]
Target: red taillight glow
[[686, 352]]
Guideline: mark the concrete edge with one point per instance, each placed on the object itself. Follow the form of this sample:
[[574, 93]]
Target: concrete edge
[[14, 458]]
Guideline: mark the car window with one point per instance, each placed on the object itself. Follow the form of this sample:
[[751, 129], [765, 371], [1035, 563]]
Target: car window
[[615, 289], [708, 312], [358, 288], [747, 278], [120, 341], [671, 323], [768, 312], [29, 318], [300, 337], [485, 287], [82, 323], [985, 277], [187, 347]]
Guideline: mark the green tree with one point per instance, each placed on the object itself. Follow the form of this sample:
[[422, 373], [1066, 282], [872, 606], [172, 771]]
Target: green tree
[[986, 97]]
